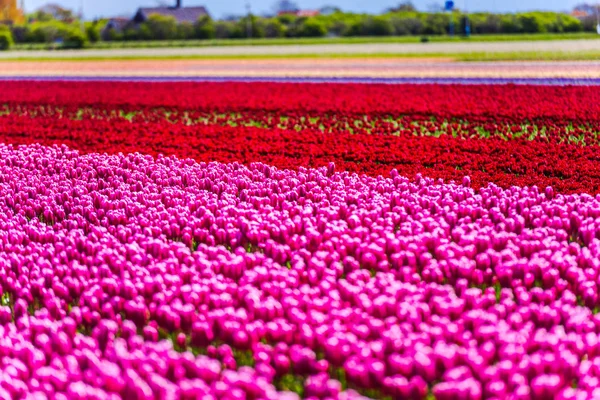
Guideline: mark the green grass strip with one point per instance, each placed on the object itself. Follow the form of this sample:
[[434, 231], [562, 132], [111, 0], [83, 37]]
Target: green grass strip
[[327, 40], [465, 57]]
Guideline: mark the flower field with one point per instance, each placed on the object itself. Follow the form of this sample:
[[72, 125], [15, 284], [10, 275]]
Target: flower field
[[278, 240]]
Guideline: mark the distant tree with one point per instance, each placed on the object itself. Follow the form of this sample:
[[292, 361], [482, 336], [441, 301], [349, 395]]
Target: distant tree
[[435, 8], [286, 19], [338, 28], [205, 28], [231, 18], [312, 28], [436, 24], [74, 39], [20, 32], [531, 23], [328, 10], [274, 29], [223, 29], [406, 26], [41, 16], [44, 32], [160, 27], [377, 26], [567, 23], [256, 26], [229, 30], [186, 30], [54, 11], [406, 6], [285, 6], [510, 24], [92, 31], [491, 24], [6, 39]]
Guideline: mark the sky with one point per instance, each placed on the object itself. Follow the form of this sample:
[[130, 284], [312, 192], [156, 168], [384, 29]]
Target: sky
[[219, 8]]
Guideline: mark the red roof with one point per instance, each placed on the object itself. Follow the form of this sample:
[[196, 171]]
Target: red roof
[[579, 14], [307, 13], [301, 13]]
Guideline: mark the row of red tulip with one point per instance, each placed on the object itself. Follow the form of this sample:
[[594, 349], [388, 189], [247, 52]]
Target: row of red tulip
[[563, 131], [579, 103], [567, 168]]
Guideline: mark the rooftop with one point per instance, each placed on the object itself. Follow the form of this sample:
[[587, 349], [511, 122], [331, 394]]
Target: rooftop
[[181, 14]]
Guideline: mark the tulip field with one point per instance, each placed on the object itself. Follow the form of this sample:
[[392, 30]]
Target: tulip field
[[256, 240]]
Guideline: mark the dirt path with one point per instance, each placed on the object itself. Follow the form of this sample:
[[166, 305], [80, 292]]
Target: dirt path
[[319, 68]]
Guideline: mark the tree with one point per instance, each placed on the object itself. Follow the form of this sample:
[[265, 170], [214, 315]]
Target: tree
[[186, 30], [274, 29], [338, 28], [41, 16], [531, 23], [54, 11], [92, 31], [228, 30], [286, 19], [328, 10], [312, 28], [377, 26], [9, 12], [205, 28], [435, 8], [406, 26], [160, 27], [44, 32], [6, 39], [436, 24], [256, 26], [406, 6], [485, 23], [52, 32], [286, 6], [74, 39], [567, 23]]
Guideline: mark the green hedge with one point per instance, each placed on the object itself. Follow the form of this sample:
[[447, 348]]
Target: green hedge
[[6, 38], [52, 32], [338, 24], [398, 24]]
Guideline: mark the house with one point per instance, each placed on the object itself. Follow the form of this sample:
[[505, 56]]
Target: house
[[300, 13], [579, 14], [180, 13], [307, 13]]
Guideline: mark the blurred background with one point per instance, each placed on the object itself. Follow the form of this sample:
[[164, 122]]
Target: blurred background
[[84, 23]]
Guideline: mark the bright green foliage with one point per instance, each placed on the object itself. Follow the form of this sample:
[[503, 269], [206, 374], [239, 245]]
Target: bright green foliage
[[74, 39], [205, 28], [6, 38], [312, 28], [159, 27], [92, 31]]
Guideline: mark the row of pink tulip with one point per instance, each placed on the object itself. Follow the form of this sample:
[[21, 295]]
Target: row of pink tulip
[[128, 277]]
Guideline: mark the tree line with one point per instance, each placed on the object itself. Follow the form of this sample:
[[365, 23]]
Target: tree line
[[73, 33], [349, 24]]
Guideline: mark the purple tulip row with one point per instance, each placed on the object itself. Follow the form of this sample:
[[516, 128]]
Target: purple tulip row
[[348, 80], [135, 278]]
